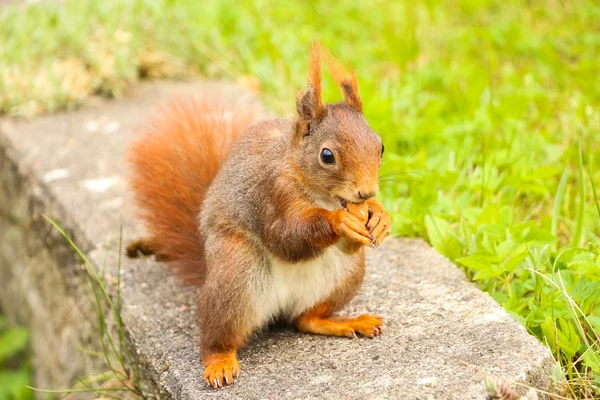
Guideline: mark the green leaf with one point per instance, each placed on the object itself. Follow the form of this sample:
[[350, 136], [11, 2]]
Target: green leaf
[[568, 340], [539, 235], [13, 385], [549, 333], [517, 317], [589, 269], [475, 261], [504, 248], [495, 230], [442, 238], [489, 273], [489, 215], [558, 374], [595, 322], [13, 341], [591, 360], [512, 263]]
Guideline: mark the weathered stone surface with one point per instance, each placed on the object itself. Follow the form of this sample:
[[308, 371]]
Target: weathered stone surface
[[42, 283], [442, 335]]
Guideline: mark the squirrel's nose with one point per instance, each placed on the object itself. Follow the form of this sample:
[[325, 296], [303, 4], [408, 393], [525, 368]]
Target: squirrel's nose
[[366, 194]]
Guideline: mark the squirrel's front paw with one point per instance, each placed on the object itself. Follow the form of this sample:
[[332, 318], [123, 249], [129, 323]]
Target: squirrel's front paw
[[379, 224], [350, 227], [360, 211]]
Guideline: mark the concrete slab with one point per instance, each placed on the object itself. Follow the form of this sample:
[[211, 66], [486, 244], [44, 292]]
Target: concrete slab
[[442, 334]]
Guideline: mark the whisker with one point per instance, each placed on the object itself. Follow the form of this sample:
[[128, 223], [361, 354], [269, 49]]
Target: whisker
[[392, 180], [388, 185], [396, 173]]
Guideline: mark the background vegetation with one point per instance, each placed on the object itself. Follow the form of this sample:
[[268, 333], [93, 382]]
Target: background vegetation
[[489, 110], [15, 369]]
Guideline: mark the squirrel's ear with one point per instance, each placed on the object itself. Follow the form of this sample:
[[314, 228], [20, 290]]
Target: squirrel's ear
[[309, 103], [308, 110], [347, 82]]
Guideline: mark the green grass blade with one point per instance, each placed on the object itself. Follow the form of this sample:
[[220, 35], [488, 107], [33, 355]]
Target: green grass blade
[[86, 390], [85, 260], [560, 194], [591, 172], [577, 237], [96, 284], [98, 391]]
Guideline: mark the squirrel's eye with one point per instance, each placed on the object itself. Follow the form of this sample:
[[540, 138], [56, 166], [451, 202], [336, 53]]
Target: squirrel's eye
[[382, 149], [327, 156]]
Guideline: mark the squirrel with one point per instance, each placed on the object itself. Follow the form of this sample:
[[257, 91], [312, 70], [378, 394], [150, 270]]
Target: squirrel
[[268, 220]]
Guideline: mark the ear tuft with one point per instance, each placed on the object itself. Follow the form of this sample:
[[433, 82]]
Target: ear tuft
[[314, 78], [347, 82], [309, 103]]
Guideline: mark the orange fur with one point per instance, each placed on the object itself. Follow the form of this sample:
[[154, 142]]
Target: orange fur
[[321, 321], [316, 228], [223, 308], [173, 163], [379, 224], [347, 82], [309, 102], [221, 368], [315, 77], [367, 325], [275, 203]]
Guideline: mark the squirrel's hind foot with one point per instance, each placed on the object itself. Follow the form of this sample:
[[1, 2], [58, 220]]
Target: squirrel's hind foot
[[366, 325], [139, 246], [144, 248]]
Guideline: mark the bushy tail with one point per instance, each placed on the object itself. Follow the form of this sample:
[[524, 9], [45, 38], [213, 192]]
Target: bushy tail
[[174, 161]]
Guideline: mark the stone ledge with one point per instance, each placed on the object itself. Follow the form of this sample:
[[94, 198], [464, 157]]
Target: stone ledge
[[442, 334]]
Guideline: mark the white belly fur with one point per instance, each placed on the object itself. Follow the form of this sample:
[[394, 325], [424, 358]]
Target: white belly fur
[[294, 288]]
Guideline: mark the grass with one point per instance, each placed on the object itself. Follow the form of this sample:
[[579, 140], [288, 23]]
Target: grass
[[121, 380], [15, 368], [489, 110]]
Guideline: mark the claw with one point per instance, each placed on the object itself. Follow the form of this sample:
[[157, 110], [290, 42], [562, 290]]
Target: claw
[[220, 368]]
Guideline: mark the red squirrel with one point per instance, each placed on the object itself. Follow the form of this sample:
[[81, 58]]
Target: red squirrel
[[268, 220]]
